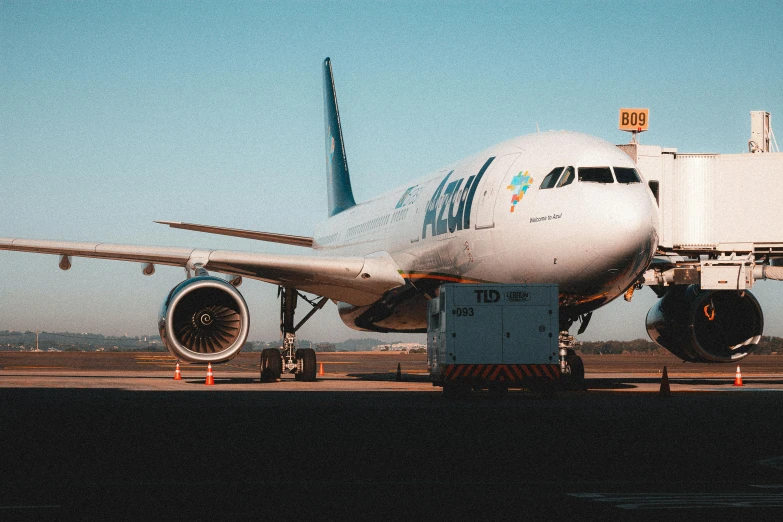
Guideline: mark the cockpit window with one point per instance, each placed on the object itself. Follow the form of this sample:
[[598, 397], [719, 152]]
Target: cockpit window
[[595, 175], [567, 177], [551, 179], [626, 175]]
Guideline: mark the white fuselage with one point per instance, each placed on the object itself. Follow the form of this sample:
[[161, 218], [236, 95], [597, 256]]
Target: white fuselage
[[479, 222]]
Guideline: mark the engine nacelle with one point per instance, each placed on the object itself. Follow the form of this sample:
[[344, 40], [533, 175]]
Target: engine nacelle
[[204, 320], [706, 325]]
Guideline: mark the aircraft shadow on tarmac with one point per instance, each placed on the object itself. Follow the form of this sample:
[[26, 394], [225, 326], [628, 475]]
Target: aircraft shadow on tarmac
[[389, 376], [223, 380], [608, 384]]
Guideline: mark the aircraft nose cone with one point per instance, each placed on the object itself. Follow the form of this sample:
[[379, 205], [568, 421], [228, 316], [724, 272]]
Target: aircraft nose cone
[[630, 234], [630, 223], [625, 235]]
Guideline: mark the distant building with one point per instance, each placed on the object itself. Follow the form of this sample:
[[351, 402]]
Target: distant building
[[399, 347], [325, 347]]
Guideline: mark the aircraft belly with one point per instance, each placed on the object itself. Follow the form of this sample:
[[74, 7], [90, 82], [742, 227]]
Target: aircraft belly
[[408, 315]]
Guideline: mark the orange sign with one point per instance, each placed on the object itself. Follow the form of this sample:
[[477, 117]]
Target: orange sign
[[634, 120]]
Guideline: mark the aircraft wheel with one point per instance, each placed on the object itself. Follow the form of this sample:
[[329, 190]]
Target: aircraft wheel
[[576, 381], [271, 365], [307, 356]]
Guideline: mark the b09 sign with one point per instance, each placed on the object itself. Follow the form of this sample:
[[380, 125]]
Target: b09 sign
[[635, 120]]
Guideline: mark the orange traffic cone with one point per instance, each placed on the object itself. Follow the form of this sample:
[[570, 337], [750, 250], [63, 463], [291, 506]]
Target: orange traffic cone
[[177, 374], [665, 391], [210, 380], [738, 378], [321, 370]]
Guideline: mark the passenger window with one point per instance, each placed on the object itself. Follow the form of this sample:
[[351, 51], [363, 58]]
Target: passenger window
[[551, 179], [595, 175], [567, 177], [626, 175]]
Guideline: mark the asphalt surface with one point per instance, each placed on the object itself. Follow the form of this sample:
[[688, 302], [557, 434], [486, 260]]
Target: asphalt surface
[[131, 443]]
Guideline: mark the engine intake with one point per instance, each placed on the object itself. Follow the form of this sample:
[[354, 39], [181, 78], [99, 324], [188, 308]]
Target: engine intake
[[204, 319], [706, 326]]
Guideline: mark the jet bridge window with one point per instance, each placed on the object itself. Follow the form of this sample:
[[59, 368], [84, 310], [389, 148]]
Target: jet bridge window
[[595, 175], [567, 177], [627, 175], [551, 179]]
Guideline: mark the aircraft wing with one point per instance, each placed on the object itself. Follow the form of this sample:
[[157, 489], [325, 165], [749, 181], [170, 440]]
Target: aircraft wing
[[356, 280]]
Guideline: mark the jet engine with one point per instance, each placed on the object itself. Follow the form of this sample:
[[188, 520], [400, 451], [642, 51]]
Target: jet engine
[[706, 325], [204, 320]]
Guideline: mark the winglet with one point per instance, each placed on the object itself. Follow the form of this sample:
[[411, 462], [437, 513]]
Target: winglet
[[338, 182]]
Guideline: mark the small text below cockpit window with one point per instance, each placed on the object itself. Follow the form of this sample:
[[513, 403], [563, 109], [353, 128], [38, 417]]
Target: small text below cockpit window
[[627, 175], [596, 175], [551, 179]]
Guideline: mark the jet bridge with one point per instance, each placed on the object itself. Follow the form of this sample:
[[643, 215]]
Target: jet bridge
[[720, 214]]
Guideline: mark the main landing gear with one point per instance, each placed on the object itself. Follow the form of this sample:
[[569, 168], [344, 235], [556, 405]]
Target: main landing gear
[[301, 362]]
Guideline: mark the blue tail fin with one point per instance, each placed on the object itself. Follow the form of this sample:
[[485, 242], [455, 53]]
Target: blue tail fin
[[338, 182]]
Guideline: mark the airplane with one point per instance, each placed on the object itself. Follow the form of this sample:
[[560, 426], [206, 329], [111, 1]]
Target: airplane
[[550, 207]]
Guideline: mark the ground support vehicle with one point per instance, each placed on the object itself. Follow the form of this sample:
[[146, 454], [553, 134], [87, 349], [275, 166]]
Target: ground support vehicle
[[494, 336]]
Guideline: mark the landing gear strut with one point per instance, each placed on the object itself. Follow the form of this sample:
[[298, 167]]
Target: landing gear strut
[[301, 362]]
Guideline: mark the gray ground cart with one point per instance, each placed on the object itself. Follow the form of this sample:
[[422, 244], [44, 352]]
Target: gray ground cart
[[485, 335]]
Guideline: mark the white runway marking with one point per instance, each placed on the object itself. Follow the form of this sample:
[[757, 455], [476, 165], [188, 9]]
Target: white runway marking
[[31, 507], [632, 501], [775, 462]]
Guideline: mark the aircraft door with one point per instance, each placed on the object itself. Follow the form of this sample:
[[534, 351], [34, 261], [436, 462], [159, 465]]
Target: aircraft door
[[418, 209], [490, 187], [415, 232]]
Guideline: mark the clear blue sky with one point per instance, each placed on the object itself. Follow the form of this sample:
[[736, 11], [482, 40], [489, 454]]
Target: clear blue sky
[[113, 115]]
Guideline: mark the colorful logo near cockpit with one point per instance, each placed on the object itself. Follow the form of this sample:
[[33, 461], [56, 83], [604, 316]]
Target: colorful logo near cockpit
[[518, 188]]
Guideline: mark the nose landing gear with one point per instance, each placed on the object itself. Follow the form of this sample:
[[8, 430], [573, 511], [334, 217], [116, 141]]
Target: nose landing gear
[[572, 368]]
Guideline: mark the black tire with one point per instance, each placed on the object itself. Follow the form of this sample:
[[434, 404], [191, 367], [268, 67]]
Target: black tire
[[271, 365], [307, 356], [576, 379], [578, 369], [276, 363]]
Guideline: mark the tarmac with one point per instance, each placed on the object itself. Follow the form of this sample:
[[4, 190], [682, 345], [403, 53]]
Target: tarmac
[[113, 436]]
